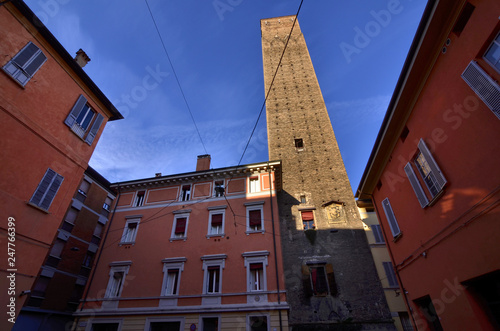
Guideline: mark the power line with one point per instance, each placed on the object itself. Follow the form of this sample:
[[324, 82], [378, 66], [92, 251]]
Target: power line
[[176, 77], [271, 85]]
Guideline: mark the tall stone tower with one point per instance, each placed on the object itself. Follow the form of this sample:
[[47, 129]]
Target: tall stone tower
[[331, 280]]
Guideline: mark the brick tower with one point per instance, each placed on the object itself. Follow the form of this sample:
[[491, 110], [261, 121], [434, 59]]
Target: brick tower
[[331, 280]]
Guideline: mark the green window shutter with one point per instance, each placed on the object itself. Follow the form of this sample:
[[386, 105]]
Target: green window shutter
[[94, 129], [47, 189], [393, 223], [417, 188], [432, 164], [77, 108]]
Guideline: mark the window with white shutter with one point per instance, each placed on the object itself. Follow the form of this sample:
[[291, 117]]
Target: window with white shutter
[[83, 120], [377, 233], [25, 64], [391, 275], [47, 189], [428, 173]]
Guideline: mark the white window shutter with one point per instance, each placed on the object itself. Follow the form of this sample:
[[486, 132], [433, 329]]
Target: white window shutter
[[393, 223], [94, 129], [441, 181], [25, 64], [422, 198], [77, 108], [22, 58], [391, 275], [483, 85], [37, 62]]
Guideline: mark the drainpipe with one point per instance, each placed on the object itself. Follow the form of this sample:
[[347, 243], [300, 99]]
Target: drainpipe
[[98, 258], [274, 244], [395, 270]]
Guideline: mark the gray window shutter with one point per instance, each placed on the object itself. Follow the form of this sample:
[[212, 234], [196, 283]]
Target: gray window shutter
[[26, 63], [432, 164], [47, 189], [77, 108], [37, 62], [94, 129], [377, 233], [393, 223], [391, 275], [25, 54], [422, 198]]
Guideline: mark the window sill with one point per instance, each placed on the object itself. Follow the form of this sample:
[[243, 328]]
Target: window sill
[[127, 243], [178, 239], [435, 199], [222, 235], [396, 238], [255, 231], [37, 207]]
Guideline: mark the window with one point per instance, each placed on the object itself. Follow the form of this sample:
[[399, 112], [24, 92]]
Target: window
[[213, 279], [80, 118], [257, 323], [185, 193], [308, 219], [254, 184], [25, 64], [405, 321], [318, 279], [492, 55], [117, 276], [299, 144], [130, 231], [216, 223], [172, 282], [38, 291], [210, 324], [179, 228], [212, 283], [219, 188], [430, 174], [391, 218], [255, 217], [463, 18], [256, 263], [84, 187], [391, 275], [139, 198], [485, 290], [102, 326], [69, 220], [47, 190], [172, 270], [303, 199], [107, 205], [163, 326], [377, 233], [426, 308], [87, 261], [319, 283]]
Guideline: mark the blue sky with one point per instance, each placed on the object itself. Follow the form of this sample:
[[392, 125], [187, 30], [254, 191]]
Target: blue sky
[[357, 48]]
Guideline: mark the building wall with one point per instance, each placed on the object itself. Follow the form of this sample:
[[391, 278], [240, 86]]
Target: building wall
[[315, 180], [33, 139], [393, 295], [61, 280], [154, 244], [446, 245]]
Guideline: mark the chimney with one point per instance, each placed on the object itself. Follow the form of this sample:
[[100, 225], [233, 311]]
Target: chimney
[[81, 58], [203, 162]]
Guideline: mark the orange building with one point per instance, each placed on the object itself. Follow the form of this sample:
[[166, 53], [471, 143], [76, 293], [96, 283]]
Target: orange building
[[433, 174], [51, 116], [198, 250]]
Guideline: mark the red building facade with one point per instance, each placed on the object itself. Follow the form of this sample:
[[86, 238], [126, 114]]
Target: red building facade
[[51, 116], [198, 248], [433, 174]]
